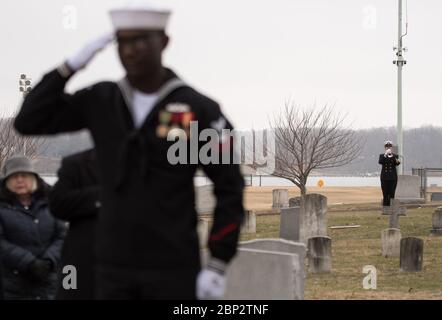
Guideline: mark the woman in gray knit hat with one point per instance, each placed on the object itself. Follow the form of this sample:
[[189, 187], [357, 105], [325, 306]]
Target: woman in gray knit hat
[[30, 237]]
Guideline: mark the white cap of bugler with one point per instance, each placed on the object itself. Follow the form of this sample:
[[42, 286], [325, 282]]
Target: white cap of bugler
[[146, 16]]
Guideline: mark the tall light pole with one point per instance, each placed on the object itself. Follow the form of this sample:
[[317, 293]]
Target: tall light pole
[[400, 62]]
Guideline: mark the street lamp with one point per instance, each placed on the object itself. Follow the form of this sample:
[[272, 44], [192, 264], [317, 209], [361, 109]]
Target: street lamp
[[400, 62]]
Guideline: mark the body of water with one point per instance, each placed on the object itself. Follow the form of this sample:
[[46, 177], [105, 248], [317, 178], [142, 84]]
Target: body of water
[[331, 181], [267, 181]]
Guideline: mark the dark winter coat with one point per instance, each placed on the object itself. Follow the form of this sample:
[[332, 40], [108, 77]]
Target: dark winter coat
[[1, 280], [148, 217], [75, 198], [27, 234], [389, 165]]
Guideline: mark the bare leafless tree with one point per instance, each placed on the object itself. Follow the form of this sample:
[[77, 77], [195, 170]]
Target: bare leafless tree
[[11, 142], [311, 139]]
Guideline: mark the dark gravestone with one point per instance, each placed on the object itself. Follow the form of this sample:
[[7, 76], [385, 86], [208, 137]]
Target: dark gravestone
[[412, 251], [436, 196], [290, 223], [437, 222], [319, 254]]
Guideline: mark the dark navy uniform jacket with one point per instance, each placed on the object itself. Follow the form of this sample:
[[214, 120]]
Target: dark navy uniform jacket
[[389, 165], [148, 217]]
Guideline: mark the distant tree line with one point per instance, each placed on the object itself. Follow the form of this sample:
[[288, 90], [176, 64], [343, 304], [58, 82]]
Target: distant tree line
[[422, 148]]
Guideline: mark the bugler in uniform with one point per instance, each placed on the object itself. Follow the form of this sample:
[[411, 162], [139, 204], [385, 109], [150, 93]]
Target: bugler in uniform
[[389, 162]]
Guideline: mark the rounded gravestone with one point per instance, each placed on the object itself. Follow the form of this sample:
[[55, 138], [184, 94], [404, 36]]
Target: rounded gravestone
[[411, 257]]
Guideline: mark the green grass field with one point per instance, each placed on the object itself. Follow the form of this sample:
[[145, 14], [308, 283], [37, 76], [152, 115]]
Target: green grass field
[[352, 249]]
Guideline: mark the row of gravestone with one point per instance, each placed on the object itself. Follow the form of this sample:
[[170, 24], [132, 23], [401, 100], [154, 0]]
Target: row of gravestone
[[408, 191], [396, 209], [312, 209], [409, 249], [302, 220], [275, 268], [305, 221]]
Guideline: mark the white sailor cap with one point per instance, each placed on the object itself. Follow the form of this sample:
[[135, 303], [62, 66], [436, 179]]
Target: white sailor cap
[[144, 16], [388, 143]]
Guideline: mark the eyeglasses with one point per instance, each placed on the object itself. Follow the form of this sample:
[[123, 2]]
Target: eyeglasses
[[139, 41]]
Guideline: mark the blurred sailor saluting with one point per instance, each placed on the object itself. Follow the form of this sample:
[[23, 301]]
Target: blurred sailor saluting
[[147, 243], [389, 162]]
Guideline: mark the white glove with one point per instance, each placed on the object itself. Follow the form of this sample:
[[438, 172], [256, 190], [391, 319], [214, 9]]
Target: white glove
[[210, 284], [388, 153], [85, 55]]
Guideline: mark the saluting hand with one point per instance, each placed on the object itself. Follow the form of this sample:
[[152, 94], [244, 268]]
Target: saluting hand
[[85, 55]]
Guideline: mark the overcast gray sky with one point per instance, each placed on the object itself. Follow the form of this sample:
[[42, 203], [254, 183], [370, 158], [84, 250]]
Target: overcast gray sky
[[252, 55]]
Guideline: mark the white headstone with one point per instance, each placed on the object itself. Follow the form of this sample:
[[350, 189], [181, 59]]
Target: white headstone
[[313, 216], [280, 245], [408, 189], [264, 275], [249, 224], [391, 242], [280, 198]]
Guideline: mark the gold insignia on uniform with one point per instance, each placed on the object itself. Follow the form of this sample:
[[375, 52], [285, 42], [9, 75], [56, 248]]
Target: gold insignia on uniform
[[187, 117], [162, 131], [164, 117]]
